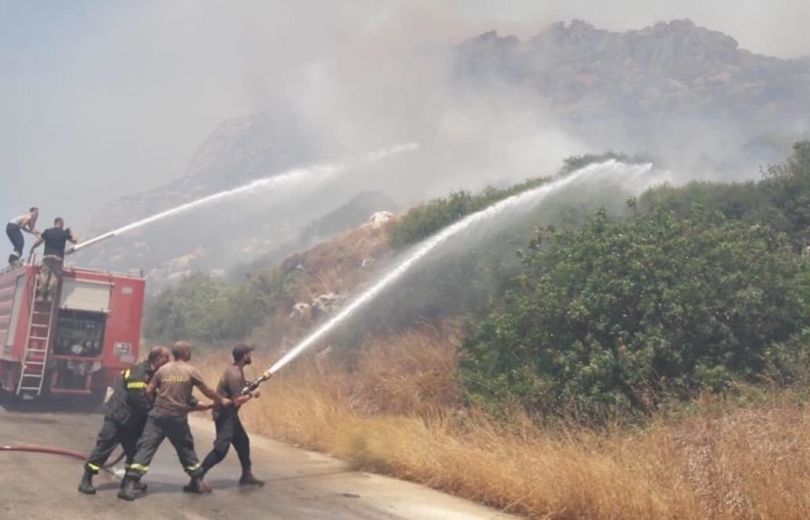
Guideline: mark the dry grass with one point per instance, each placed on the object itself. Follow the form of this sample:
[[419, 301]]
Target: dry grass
[[336, 265], [397, 412]]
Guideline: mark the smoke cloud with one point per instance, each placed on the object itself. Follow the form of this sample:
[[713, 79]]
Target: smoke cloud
[[103, 99]]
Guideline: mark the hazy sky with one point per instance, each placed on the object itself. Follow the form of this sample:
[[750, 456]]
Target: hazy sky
[[101, 99]]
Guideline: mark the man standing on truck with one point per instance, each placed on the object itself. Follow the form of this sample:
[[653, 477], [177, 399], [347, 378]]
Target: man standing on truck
[[171, 389], [125, 417], [229, 427], [25, 222], [50, 273]]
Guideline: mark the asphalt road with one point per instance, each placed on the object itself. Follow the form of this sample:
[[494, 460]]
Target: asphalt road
[[299, 484]]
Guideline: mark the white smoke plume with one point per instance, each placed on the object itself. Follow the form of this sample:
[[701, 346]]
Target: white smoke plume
[[106, 99]]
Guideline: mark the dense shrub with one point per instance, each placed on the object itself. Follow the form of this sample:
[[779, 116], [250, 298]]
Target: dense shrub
[[781, 200], [426, 219], [210, 310], [615, 315]]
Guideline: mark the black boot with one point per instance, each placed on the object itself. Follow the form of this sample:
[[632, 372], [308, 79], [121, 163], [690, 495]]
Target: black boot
[[86, 485], [249, 480], [139, 487], [197, 485], [127, 491]]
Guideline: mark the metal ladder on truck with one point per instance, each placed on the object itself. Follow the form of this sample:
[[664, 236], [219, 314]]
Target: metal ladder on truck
[[35, 356]]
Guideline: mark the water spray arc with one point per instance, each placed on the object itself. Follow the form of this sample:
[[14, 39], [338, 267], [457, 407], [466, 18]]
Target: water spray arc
[[314, 173], [533, 196]]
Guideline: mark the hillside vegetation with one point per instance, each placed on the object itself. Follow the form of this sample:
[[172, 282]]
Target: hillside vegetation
[[600, 357]]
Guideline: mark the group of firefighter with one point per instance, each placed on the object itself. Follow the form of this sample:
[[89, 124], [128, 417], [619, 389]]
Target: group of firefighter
[[55, 240], [151, 402], [152, 399]]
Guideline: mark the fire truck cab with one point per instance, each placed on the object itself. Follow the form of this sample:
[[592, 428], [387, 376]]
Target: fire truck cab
[[75, 343]]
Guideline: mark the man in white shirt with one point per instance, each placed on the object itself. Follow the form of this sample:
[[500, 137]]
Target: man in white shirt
[[25, 222]]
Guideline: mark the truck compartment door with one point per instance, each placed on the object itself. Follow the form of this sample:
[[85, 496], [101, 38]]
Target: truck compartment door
[[82, 295]]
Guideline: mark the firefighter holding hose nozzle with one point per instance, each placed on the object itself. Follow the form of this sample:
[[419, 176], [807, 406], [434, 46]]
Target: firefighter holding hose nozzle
[[229, 426]]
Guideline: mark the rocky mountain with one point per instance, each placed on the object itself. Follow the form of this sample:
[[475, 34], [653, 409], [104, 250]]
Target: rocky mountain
[[650, 88], [674, 90]]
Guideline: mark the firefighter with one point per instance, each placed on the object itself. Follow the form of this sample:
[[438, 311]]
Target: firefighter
[[229, 427], [55, 238], [25, 222], [170, 389], [125, 416]]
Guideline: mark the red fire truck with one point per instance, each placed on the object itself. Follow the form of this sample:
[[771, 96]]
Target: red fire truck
[[75, 343]]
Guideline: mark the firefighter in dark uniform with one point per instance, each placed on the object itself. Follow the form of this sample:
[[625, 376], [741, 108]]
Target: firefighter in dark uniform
[[171, 388], [125, 417], [229, 427]]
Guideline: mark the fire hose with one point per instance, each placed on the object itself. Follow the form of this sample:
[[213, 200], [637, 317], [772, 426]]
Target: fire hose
[[59, 451], [253, 385]]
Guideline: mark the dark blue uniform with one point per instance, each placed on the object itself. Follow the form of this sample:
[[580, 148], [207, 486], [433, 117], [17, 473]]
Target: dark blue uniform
[[125, 417]]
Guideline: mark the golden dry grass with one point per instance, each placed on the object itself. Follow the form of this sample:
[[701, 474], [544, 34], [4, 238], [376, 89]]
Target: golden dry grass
[[397, 412], [335, 266]]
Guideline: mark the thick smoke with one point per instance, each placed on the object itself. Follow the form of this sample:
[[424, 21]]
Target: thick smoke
[[102, 102]]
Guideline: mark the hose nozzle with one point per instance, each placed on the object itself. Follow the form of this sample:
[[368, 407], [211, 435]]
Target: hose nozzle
[[253, 385]]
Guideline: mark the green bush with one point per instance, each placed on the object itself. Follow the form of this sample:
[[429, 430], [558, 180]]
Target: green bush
[[195, 309], [427, 219], [781, 200], [615, 316], [212, 310], [788, 187]]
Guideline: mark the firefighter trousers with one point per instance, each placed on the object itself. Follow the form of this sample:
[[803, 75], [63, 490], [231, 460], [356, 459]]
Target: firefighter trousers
[[159, 427], [229, 431], [112, 434], [50, 274]]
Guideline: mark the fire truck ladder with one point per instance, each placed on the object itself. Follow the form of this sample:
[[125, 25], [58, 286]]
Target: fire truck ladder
[[35, 357]]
